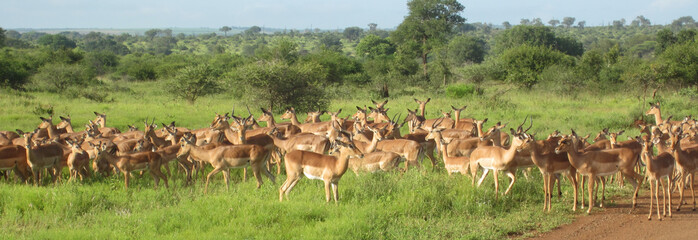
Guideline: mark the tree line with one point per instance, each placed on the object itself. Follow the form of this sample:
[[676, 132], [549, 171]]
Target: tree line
[[433, 47]]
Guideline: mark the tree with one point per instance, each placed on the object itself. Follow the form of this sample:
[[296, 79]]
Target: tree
[[525, 21], [56, 41], [253, 30], [2, 37], [331, 42], [193, 82], [463, 49], [428, 24], [537, 22], [640, 21], [619, 24], [683, 21], [686, 36], [372, 27], [57, 77], [352, 33], [283, 49], [525, 63], [553, 22], [225, 30], [581, 24], [373, 46], [506, 24], [568, 21], [279, 85], [13, 73], [665, 38]]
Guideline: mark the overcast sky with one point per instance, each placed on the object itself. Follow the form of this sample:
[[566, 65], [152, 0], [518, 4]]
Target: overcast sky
[[323, 14]]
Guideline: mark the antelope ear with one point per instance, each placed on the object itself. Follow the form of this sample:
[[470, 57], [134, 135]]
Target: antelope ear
[[484, 120], [512, 131], [96, 114], [20, 132], [428, 99], [358, 108], [339, 111], [621, 132], [415, 100], [573, 132]]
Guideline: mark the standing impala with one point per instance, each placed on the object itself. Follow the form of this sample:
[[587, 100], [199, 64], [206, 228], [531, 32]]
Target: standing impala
[[686, 165], [658, 167], [329, 169], [600, 164], [495, 159], [128, 163], [42, 156]]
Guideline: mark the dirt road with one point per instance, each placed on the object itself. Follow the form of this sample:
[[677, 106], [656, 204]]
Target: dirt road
[[615, 222]]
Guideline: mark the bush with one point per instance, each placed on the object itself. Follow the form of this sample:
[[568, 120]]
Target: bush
[[524, 63], [57, 77], [193, 82], [459, 90]]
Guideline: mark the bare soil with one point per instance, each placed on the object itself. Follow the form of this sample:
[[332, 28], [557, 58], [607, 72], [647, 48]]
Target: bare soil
[[617, 222]]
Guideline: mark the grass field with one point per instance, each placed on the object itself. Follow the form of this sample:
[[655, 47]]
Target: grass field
[[420, 204]]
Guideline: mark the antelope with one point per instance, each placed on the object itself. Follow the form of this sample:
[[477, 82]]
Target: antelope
[[287, 129], [14, 157], [658, 167], [66, 126], [632, 144], [495, 158], [224, 157], [169, 153], [380, 105], [686, 165], [78, 161], [463, 124], [454, 164], [550, 163], [655, 109], [320, 128], [599, 164], [133, 162], [101, 120], [149, 134], [239, 136], [314, 117], [422, 106], [330, 169], [43, 156]]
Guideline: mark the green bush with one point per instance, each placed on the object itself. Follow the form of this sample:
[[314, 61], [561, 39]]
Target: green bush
[[57, 77], [193, 82], [459, 90]]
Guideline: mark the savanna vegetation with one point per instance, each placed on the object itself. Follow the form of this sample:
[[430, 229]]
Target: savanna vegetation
[[563, 75]]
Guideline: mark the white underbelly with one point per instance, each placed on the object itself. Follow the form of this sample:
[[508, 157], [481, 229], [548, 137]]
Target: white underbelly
[[311, 176]]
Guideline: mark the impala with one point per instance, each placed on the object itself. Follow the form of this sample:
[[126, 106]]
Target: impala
[[14, 157], [495, 159], [224, 157], [133, 162], [454, 164], [287, 129], [44, 156], [655, 109], [314, 117], [599, 164], [686, 165], [380, 105], [465, 123], [550, 163], [330, 169], [78, 161], [658, 167], [101, 120], [320, 128]]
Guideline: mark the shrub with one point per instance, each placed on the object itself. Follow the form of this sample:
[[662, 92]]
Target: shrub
[[57, 77], [459, 90], [193, 82]]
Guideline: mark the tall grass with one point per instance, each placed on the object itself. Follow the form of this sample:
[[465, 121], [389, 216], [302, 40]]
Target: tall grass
[[419, 204]]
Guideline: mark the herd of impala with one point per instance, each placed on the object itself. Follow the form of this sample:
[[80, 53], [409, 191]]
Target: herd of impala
[[368, 142]]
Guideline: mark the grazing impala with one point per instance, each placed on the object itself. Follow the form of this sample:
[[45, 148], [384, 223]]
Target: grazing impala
[[658, 167], [599, 164], [43, 156], [330, 169], [224, 157]]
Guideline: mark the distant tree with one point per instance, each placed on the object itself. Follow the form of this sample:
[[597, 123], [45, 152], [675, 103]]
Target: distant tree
[[13, 73], [568, 21], [101, 62], [193, 82], [57, 77], [282, 49], [225, 30], [554, 22], [373, 46], [619, 24], [640, 21], [525, 21], [506, 24], [331, 42], [463, 49], [665, 38], [2, 37], [428, 24], [679, 64], [152, 33], [56, 41], [581, 24], [537, 22], [372, 27], [683, 21], [253, 30], [524, 63], [95, 42], [352, 33], [537, 36]]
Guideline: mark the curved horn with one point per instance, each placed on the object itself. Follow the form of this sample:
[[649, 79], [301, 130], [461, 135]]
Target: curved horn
[[437, 122], [529, 127], [520, 127], [248, 110]]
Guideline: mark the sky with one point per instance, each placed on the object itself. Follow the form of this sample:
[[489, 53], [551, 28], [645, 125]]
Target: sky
[[323, 14]]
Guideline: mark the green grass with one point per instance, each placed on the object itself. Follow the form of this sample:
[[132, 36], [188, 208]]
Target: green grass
[[419, 204]]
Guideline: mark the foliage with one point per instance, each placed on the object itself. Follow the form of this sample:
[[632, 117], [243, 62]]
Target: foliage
[[283, 49], [13, 73], [459, 90], [331, 42], [279, 85], [101, 62], [56, 41], [335, 65], [466, 49], [2, 37], [525, 62], [427, 25], [98, 42], [537, 36], [352, 33], [193, 82], [679, 64], [373, 46], [57, 77], [139, 67]]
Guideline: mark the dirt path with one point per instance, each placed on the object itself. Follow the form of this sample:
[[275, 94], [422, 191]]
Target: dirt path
[[615, 222]]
